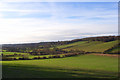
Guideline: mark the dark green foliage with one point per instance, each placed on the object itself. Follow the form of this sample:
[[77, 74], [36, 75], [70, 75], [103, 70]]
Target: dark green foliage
[[24, 58], [35, 58], [14, 58], [49, 56], [39, 57], [47, 51], [102, 38], [45, 58]]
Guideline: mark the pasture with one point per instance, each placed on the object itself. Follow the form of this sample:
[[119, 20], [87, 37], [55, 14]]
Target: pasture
[[89, 46], [81, 66], [26, 55], [11, 53]]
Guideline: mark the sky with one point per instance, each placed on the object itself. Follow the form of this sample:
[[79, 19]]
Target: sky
[[29, 22]]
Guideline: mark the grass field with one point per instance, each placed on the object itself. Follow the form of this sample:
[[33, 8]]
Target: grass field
[[26, 55], [92, 46], [82, 66], [7, 53], [115, 50]]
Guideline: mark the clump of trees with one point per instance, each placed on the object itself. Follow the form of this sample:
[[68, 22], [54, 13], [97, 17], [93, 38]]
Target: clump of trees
[[47, 51], [24, 58], [102, 38]]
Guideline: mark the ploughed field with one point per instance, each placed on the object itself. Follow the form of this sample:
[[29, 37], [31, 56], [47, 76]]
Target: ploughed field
[[80, 66]]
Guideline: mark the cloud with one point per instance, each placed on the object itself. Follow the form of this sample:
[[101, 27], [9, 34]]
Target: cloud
[[66, 21], [59, 0]]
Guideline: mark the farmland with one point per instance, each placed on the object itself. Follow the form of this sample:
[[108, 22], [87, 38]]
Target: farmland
[[90, 66], [81, 58], [93, 46]]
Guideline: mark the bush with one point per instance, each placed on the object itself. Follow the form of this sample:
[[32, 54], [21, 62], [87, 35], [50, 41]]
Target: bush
[[20, 58], [35, 58], [14, 58], [66, 55], [39, 58], [24, 58], [50, 57], [44, 57], [54, 56], [15, 54]]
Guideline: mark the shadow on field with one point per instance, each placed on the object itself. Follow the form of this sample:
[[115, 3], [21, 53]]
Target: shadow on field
[[44, 72]]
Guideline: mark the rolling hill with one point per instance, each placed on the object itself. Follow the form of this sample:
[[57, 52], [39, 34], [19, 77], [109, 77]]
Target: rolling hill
[[90, 46]]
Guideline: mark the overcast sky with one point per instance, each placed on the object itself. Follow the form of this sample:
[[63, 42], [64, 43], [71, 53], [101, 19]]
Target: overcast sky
[[25, 22]]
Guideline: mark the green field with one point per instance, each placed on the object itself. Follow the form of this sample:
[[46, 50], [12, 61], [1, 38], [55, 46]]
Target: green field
[[78, 66], [82, 66], [8, 53], [115, 50], [25, 55], [91, 46]]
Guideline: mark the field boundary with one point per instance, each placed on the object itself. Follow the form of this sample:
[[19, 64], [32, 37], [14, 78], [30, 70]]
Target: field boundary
[[111, 55]]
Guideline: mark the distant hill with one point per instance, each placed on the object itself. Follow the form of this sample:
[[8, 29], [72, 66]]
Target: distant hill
[[91, 44]]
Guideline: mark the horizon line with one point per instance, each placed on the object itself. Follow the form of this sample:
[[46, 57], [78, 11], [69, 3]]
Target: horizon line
[[53, 40]]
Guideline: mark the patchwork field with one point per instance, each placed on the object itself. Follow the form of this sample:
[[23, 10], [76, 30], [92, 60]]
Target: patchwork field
[[93, 58], [92, 46], [82, 66]]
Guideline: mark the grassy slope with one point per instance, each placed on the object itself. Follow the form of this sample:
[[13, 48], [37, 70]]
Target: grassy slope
[[72, 44], [80, 66], [7, 53], [114, 50], [93, 46]]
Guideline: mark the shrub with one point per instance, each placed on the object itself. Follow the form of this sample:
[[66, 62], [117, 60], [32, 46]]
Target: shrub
[[50, 57], [54, 56], [35, 58], [66, 55], [23, 58], [14, 58], [39, 57], [44, 57], [15, 54], [20, 58]]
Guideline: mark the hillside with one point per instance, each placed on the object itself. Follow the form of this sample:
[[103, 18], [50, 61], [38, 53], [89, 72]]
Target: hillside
[[90, 46], [115, 50]]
